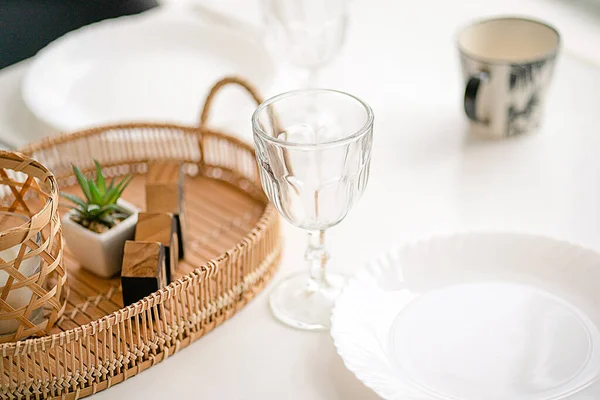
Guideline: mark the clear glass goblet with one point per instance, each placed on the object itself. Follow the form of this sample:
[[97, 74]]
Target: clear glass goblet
[[309, 32], [313, 148]]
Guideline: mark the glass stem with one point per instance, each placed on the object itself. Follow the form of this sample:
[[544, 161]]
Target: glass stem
[[317, 258], [311, 78]]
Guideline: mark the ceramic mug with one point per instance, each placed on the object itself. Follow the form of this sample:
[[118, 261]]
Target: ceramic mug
[[507, 66]]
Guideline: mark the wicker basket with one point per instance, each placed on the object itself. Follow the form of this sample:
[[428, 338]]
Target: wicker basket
[[234, 249], [29, 190]]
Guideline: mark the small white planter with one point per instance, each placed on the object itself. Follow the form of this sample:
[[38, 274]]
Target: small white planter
[[100, 253]]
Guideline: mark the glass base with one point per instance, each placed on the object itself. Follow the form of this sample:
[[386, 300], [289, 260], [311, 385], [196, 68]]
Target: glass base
[[303, 304]]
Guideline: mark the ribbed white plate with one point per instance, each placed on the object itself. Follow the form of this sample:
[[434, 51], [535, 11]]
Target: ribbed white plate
[[155, 66], [475, 317]]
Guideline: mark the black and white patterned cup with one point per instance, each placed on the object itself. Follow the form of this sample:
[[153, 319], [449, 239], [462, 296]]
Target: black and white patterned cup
[[507, 66]]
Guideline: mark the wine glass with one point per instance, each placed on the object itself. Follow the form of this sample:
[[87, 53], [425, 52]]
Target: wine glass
[[313, 148], [309, 32]]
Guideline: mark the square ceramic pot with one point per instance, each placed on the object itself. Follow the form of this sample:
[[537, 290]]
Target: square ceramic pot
[[100, 253]]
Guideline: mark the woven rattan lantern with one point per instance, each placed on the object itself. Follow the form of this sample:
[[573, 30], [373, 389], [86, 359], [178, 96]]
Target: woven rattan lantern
[[33, 277]]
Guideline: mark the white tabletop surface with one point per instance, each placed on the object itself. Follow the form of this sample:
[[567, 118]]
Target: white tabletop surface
[[427, 177]]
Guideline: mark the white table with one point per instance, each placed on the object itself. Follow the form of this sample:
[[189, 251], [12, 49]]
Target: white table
[[427, 177]]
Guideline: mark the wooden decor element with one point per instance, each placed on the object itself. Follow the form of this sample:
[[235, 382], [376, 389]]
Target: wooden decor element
[[165, 172], [33, 277], [162, 228], [233, 251], [164, 193], [143, 271]]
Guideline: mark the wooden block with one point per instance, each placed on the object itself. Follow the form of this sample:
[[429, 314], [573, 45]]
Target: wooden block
[[164, 193], [181, 234], [164, 187], [162, 228], [144, 270], [163, 197], [163, 172]]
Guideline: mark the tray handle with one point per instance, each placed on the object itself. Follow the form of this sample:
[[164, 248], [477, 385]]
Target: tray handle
[[224, 82]]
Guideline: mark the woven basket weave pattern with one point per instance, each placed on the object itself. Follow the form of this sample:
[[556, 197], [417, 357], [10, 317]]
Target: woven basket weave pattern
[[29, 189], [94, 356]]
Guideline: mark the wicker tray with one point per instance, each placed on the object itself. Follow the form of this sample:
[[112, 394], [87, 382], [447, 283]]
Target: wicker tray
[[233, 250]]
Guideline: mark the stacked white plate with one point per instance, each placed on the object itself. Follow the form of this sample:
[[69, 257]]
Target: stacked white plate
[[475, 317], [155, 66]]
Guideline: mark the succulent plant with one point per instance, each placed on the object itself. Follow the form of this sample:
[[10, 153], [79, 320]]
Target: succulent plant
[[99, 210]]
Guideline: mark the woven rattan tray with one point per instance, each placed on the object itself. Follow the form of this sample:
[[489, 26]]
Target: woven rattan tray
[[233, 250]]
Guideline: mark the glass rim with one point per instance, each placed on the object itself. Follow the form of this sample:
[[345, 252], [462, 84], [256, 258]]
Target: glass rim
[[346, 139]]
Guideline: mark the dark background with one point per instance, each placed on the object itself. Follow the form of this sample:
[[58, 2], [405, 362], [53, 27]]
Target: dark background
[[28, 25]]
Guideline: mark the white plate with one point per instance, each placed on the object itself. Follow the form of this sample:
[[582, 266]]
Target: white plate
[[475, 317], [156, 66]]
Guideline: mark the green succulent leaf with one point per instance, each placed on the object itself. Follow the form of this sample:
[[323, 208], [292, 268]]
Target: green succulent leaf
[[74, 199], [100, 203], [80, 213], [121, 215], [108, 220], [119, 189], [83, 182], [97, 197], [124, 183], [100, 182], [111, 194], [109, 208], [112, 183]]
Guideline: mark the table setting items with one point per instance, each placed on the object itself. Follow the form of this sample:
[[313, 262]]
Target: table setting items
[[167, 296], [33, 276], [146, 67], [507, 65], [313, 148], [474, 316], [306, 33]]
